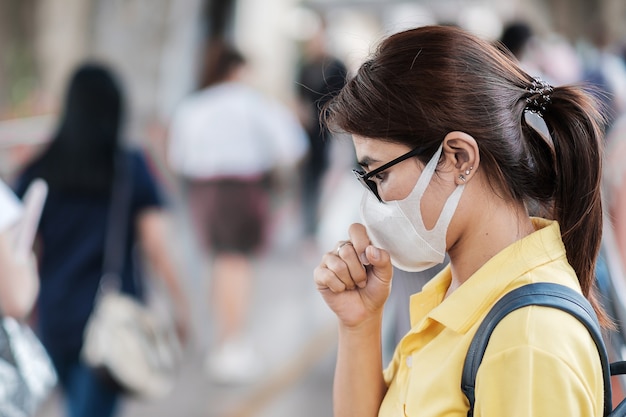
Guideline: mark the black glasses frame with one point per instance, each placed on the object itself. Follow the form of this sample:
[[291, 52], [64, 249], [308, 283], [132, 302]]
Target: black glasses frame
[[369, 184]]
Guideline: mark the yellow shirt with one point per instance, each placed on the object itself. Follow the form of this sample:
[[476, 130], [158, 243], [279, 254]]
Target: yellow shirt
[[540, 361]]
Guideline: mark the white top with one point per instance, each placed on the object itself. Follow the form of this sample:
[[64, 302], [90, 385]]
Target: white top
[[232, 130], [10, 207]]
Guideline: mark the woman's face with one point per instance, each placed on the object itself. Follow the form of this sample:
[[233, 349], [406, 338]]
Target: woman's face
[[397, 182]]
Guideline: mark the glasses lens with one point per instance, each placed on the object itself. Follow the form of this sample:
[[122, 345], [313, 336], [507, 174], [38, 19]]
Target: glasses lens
[[367, 183], [364, 178]]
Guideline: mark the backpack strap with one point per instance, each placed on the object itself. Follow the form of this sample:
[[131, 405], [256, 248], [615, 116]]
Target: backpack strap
[[541, 294]]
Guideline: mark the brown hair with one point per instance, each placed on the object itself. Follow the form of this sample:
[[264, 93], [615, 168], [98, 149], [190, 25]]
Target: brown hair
[[220, 61], [423, 83]]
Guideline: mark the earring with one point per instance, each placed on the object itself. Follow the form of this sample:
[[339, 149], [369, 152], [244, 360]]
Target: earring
[[462, 178], [468, 171]]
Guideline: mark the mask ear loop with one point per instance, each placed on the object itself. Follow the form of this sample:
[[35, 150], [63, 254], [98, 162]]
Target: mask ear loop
[[427, 173], [448, 208]]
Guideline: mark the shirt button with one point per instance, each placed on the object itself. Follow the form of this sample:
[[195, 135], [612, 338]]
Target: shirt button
[[409, 361]]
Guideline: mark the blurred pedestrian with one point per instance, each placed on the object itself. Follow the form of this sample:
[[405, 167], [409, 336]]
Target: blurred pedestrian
[[551, 56], [614, 180], [437, 119], [605, 69], [227, 141], [320, 76], [517, 37], [79, 167]]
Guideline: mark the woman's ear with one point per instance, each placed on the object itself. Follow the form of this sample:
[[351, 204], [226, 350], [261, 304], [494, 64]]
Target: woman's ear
[[461, 152]]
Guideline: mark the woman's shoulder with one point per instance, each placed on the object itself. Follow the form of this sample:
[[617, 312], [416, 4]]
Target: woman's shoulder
[[546, 331], [541, 328], [549, 350]]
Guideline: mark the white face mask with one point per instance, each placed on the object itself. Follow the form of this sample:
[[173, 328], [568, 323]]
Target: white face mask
[[397, 226]]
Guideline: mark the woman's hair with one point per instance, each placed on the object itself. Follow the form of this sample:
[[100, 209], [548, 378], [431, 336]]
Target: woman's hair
[[423, 83], [220, 61], [80, 157]]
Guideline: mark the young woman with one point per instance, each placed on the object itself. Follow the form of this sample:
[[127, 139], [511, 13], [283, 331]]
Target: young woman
[[451, 165], [226, 141]]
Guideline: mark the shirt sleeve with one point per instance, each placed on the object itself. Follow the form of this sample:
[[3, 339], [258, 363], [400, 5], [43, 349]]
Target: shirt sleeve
[[146, 192], [10, 207]]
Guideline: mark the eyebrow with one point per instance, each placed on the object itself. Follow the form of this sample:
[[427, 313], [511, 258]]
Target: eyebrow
[[366, 161]]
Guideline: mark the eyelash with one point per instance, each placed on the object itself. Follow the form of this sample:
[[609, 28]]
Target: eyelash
[[380, 176]]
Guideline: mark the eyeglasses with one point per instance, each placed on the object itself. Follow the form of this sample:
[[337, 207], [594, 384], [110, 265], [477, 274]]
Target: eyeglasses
[[364, 177]]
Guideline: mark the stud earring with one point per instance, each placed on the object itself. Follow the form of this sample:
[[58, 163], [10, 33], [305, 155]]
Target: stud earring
[[467, 172], [462, 178]]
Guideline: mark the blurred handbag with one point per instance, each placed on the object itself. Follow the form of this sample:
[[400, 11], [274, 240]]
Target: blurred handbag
[[125, 342], [27, 375]]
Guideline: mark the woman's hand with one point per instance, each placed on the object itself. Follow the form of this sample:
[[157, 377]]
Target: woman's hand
[[355, 278]]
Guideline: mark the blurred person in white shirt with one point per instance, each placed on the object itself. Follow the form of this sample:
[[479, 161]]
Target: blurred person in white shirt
[[226, 140]]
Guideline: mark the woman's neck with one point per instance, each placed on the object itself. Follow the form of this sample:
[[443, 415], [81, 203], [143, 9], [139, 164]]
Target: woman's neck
[[497, 227]]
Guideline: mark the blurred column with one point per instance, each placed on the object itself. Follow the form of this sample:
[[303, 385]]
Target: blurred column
[[62, 28], [18, 78], [587, 18], [614, 12], [130, 35], [261, 32], [181, 52]]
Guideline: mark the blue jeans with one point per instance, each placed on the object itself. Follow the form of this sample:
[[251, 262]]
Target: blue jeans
[[84, 393]]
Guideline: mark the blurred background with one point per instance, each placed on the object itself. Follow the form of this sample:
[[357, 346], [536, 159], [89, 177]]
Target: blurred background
[[158, 48], [157, 45]]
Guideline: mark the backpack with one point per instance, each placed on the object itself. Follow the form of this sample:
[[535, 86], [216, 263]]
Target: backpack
[[547, 295]]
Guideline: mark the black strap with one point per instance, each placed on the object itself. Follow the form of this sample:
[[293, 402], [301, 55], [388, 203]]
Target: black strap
[[541, 294], [117, 225]]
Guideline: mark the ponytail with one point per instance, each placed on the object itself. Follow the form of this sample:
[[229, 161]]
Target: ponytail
[[575, 123]]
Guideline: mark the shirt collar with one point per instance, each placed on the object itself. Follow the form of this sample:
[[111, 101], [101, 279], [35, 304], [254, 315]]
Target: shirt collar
[[468, 303]]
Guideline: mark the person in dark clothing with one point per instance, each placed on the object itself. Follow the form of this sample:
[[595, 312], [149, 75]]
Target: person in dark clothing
[[321, 75], [79, 166], [515, 37]]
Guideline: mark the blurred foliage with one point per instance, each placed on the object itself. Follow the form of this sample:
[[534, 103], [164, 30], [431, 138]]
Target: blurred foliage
[[18, 66]]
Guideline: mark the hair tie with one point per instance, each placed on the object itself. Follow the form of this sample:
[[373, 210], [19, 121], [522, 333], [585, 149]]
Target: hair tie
[[539, 97]]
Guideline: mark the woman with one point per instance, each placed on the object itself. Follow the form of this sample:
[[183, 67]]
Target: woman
[[79, 167], [450, 165], [227, 140]]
